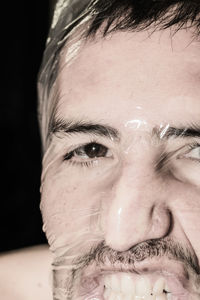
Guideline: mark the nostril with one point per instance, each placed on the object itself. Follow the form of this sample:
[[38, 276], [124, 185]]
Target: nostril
[[171, 222]]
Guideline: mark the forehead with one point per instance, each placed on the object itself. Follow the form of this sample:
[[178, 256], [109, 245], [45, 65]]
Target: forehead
[[151, 77]]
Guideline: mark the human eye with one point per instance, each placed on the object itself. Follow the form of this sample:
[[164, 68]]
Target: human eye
[[183, 163], [193, 153], [186, 165], [87, 154]]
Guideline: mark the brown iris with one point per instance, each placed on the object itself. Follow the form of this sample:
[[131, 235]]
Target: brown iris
[[91, 150]]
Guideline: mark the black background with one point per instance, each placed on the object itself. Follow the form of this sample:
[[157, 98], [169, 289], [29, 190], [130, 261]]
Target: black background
[[23, 37]]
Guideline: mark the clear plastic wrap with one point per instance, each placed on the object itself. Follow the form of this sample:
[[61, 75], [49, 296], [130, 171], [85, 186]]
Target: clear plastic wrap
[[68, 16], [120, 183]]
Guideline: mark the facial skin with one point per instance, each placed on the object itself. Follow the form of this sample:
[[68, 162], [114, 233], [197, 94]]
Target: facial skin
[[140, 190]]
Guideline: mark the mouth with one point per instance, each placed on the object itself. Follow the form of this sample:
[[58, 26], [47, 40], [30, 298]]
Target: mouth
[[156, 282]]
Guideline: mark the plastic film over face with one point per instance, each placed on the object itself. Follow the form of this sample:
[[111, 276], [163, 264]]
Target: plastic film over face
[[69, 17], [96, 188], [120, 183]]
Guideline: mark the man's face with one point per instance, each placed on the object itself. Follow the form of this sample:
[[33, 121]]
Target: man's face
[[121, 184]]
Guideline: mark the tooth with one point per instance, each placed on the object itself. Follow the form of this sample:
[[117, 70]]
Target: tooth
[[127, 285], [106, 293], [129, 297], [119, 296], [115, 283], [166, 288], [159, 286], [161, 297], [150, 297], [169, 296], [112, 296], [143, 287], [107, 281]]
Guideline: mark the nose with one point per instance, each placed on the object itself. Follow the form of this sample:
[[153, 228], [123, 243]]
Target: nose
[[137, 211]]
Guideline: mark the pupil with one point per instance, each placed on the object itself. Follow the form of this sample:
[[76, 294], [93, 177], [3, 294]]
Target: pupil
[[95, 150]]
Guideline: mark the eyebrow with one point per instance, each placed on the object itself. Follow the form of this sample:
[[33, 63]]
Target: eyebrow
[[192, 131], [61, 125], [72, 126]]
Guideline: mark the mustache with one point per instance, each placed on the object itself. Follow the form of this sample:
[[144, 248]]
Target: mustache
[[155, 248]]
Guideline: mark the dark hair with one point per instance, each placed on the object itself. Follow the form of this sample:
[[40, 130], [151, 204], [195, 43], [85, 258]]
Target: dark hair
[[126, 15], [109, 16]]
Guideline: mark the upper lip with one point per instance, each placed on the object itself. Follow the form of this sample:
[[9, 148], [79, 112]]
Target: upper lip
[[175, 273]]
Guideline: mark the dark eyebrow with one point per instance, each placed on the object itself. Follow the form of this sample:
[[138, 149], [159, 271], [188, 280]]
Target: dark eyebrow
[[191, 131], [72, 126], [60, 125]]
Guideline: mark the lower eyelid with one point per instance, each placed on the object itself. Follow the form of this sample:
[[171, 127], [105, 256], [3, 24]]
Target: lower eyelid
[[193, 159], [82, 163]]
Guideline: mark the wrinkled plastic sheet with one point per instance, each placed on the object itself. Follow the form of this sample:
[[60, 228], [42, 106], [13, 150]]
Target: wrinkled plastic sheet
[[84, 226]]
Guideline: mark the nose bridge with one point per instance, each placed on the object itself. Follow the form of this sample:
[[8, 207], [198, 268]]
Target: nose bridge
[[137, 211]]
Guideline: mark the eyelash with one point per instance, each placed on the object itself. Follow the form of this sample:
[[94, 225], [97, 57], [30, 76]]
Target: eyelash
[[86, 164], [192, 147]]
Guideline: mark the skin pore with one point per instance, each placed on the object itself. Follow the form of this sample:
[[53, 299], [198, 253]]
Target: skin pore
[[114, 177]]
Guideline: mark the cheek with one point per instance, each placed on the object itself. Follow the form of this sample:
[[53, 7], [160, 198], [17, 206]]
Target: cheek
[[185, 205], [72, 207]]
